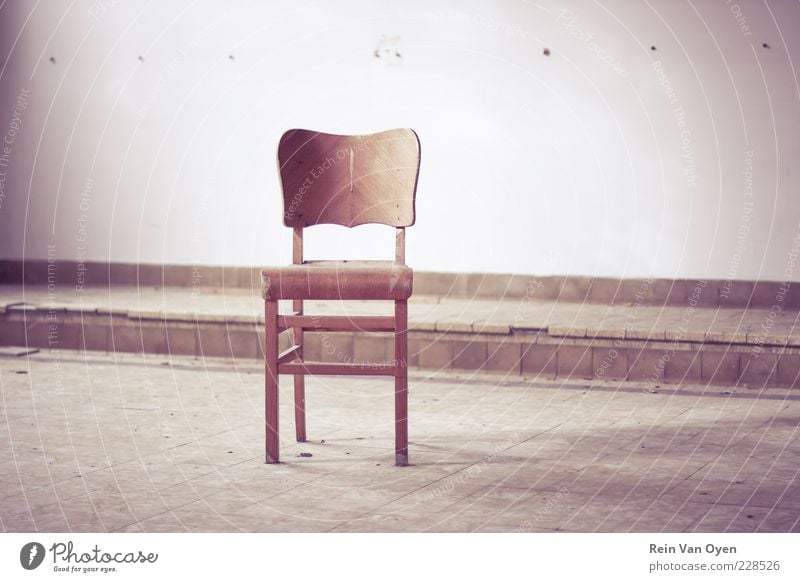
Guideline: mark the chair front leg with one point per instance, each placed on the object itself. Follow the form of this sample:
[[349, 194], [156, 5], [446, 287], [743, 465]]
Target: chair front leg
[[401, 383], [271, 381], [299, 390]]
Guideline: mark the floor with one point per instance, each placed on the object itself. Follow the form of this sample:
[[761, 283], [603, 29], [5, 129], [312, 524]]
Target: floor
[[170, 444]]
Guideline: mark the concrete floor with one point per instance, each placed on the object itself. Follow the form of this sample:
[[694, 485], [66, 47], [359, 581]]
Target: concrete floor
[[159, 443]]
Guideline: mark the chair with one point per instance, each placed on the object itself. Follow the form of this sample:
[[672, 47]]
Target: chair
[[349, 181]]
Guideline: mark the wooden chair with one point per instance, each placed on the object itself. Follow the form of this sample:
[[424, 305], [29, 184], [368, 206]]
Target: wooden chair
[[344, 180]]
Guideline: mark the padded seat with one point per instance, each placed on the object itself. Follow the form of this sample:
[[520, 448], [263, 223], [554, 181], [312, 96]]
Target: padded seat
[[338, 280]]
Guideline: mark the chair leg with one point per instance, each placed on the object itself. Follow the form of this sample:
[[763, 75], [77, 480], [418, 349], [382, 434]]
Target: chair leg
[[299, 392], [271, 381], [401, 383]]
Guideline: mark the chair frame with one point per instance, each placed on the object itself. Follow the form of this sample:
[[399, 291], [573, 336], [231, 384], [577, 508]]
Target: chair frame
[[291, 360]]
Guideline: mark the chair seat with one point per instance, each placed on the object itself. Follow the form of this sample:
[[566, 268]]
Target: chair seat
[[338, 280]]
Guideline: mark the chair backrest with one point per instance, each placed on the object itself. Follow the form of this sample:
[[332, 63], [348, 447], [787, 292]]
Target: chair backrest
[[349, 179]]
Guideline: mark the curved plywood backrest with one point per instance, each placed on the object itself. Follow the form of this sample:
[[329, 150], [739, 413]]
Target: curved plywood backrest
[[349, 179]]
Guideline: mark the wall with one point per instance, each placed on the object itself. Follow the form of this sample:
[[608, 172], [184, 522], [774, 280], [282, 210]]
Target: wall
[[654, 139]]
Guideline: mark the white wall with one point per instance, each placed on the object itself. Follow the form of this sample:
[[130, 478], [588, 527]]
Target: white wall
[[572, 163]]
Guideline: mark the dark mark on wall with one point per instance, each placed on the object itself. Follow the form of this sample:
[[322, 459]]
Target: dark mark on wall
[[388, 49]]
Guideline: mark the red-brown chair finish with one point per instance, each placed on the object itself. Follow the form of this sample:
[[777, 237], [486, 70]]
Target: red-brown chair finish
[[346, 180]]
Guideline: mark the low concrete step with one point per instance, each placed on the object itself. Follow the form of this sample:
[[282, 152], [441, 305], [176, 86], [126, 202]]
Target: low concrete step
[[754, 348]]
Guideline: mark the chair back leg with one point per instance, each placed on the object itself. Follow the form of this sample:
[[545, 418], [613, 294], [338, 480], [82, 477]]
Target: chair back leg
[[271, 381], [401, 382]]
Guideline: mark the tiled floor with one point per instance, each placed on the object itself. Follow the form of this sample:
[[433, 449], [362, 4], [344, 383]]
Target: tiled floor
[[150, 443]]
